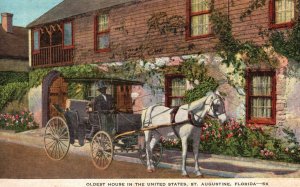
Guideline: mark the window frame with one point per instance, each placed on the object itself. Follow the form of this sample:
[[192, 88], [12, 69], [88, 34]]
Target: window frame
[[63, 35], [107, 31], [36, 51], [168, 91], [262, 121], [189, 21], [272, 17]]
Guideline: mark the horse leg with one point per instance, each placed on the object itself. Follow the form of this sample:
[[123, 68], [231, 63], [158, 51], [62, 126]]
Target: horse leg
[[196, 142], [148, 150], [184, 155], [154, 140]]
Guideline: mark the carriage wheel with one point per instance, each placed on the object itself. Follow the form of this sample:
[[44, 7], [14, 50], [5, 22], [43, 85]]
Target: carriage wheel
[[56, 138], [102, 150], [156, 154]]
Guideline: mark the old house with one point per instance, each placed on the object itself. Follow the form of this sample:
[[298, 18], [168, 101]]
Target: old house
[[14, 45], [14, 65], [159, 33]]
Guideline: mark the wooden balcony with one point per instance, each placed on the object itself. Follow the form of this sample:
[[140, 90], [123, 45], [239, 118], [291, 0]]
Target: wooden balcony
[[52, 56]]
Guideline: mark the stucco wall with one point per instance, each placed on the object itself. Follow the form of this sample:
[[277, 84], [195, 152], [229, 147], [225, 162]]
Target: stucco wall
[[35, 103], [287, 91]]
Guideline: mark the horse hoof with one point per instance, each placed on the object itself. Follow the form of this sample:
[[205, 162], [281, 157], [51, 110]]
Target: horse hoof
[[200, 176], [150, 170], [185, 176]]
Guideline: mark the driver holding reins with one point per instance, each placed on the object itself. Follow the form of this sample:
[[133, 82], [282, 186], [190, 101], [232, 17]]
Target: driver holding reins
[[101, 109]]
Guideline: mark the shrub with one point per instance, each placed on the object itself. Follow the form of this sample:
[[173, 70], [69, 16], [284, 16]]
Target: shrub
[[18, 122], [250, 140], [12, 91]]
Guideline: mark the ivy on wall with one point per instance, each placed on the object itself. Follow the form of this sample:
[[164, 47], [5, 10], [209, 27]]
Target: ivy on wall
[[13, 86], [253, 5], [287, 43], [208, 84], [229, 47], [12, 91], [79, 71], [10, 77]]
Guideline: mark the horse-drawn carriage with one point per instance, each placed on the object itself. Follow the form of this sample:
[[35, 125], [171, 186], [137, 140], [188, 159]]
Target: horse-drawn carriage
[[117, 132], [156, 121]]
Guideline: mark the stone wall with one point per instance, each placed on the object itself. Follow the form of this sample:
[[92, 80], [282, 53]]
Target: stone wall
[[14, 65]]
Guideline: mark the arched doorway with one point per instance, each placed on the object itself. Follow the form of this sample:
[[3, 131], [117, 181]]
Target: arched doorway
[[54, 91], [57, 95]]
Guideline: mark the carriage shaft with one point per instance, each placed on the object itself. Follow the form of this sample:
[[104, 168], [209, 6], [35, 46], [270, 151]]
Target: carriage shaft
[[150, 127]]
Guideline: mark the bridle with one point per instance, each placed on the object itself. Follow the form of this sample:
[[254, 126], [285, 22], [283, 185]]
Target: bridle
[[217, 111], [212, 108]]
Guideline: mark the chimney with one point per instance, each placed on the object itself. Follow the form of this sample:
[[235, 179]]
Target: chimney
[[7, 21]]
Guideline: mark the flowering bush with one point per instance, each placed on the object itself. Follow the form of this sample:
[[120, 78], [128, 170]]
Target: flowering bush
[[19, 122], [170, 143], [250, 140]]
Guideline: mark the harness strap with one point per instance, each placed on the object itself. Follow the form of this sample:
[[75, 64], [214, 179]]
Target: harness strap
[[192, 120], [173, 114]]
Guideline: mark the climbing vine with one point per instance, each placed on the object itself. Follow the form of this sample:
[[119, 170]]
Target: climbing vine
[[253, 5], [287, 43], [164, 24], [79, 71]]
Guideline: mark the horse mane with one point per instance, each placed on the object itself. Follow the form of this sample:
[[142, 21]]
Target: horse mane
[[199, 103]]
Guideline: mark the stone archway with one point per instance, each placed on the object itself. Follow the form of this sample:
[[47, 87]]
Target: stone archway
[[54, 91]]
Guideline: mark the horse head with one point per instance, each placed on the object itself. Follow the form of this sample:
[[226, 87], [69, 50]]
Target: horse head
[[216, 105]]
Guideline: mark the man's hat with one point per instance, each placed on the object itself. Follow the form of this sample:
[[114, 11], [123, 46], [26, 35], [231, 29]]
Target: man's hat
[[101, 84]]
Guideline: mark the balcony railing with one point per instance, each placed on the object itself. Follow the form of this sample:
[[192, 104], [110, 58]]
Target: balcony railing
[[52, 56]]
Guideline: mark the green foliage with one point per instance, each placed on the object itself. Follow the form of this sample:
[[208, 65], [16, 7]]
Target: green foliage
[[79, 71], [36, 77], [229, 47], [208, 84], [77, 90], [192, 70], [12, 91], [238, 139], [10, 77], [287, 44]]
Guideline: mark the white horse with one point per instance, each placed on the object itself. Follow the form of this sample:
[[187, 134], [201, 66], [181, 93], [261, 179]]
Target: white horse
[[189, 118]]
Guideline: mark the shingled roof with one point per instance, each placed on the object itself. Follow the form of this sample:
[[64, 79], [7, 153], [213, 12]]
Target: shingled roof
[[69, 8], [15, 44]]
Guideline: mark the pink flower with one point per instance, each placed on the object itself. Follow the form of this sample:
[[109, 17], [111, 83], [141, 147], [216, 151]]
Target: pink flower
[[202, 137], [230, 135]]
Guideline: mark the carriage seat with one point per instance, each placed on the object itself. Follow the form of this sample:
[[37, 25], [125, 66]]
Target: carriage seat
[[79, 106]]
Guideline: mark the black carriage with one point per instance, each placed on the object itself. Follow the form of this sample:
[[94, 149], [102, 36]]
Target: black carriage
[[117, 131]]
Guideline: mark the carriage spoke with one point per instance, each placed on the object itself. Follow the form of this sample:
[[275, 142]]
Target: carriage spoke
[[102, 150], [56, 138]]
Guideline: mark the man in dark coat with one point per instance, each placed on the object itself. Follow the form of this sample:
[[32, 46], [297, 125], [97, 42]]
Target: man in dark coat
[[101, 115]]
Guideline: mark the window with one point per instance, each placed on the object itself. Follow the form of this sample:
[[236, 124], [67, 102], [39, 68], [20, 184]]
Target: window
[[175, 87], [199, 18], [261, 97], [68, 34], [282, 12], [36, 41], [102, 33]]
